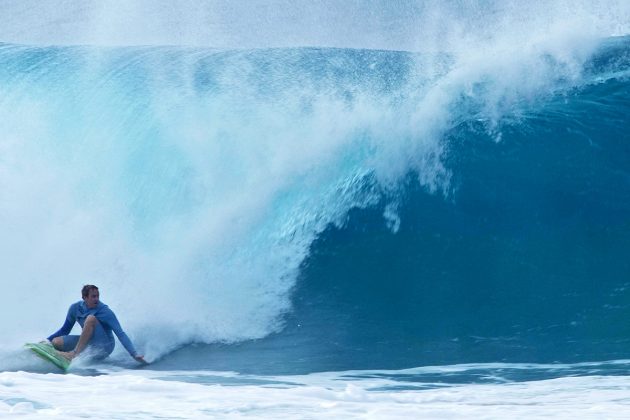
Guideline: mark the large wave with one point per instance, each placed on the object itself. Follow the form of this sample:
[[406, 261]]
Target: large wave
[[189, 183], [523, 256]]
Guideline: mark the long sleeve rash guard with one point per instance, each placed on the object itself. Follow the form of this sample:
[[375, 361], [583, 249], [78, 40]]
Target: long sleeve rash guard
[[78, 312]]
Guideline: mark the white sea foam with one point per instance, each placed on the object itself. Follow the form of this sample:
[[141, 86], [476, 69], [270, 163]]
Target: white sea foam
[[147, 394]]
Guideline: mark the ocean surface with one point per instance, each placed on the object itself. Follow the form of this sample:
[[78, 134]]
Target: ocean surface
[[424, 214]]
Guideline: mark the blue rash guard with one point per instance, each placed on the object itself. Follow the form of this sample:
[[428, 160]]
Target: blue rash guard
[[102, 340]]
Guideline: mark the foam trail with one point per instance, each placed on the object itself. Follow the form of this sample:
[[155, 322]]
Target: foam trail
[[318, 396]]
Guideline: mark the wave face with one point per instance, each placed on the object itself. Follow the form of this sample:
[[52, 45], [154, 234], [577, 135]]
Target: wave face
[[521, 256], [525, 259], [391, 208]]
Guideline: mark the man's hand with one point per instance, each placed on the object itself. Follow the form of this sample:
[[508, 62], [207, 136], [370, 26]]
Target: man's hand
[[140, 359]]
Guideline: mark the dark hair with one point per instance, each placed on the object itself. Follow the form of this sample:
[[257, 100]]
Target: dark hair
[[86, 290]]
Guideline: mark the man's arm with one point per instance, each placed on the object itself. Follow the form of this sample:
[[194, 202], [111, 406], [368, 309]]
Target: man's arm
[[67, 325], [109, 318]]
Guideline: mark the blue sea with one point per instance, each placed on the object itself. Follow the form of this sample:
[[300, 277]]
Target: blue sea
[[319, 209]]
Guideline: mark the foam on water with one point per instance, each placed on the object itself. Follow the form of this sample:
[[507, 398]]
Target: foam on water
[[332, 395]]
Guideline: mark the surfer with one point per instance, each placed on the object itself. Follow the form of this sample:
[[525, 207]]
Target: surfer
[[98, 323]]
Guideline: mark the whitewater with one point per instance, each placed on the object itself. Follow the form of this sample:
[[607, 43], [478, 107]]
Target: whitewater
[[319, 209]]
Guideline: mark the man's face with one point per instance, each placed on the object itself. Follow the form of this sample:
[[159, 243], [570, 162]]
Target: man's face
[[91, 300]]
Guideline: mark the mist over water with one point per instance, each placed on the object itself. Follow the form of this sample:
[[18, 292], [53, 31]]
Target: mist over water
[[187, 158], [374, 24]]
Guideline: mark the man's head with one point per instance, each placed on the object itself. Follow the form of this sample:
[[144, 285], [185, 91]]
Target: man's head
[[90, 295]]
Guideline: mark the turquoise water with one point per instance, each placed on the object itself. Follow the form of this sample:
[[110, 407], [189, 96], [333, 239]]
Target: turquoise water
[[334, 209], [348, 222]]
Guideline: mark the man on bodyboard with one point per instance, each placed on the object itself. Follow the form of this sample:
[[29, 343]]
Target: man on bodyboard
[[99, 325]]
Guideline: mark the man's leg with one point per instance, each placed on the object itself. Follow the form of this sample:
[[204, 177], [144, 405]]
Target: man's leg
[[65, 342], [84, 338], [57, 343], [86, 334]]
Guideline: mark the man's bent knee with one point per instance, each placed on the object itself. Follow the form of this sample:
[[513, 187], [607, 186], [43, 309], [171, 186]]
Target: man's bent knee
[[90, 320], [57, 342]]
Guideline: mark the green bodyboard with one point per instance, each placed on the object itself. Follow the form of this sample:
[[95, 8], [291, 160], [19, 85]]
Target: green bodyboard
[[48, 353]]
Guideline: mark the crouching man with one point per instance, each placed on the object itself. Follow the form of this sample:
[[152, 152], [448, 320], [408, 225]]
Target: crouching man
[[99, 325]]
